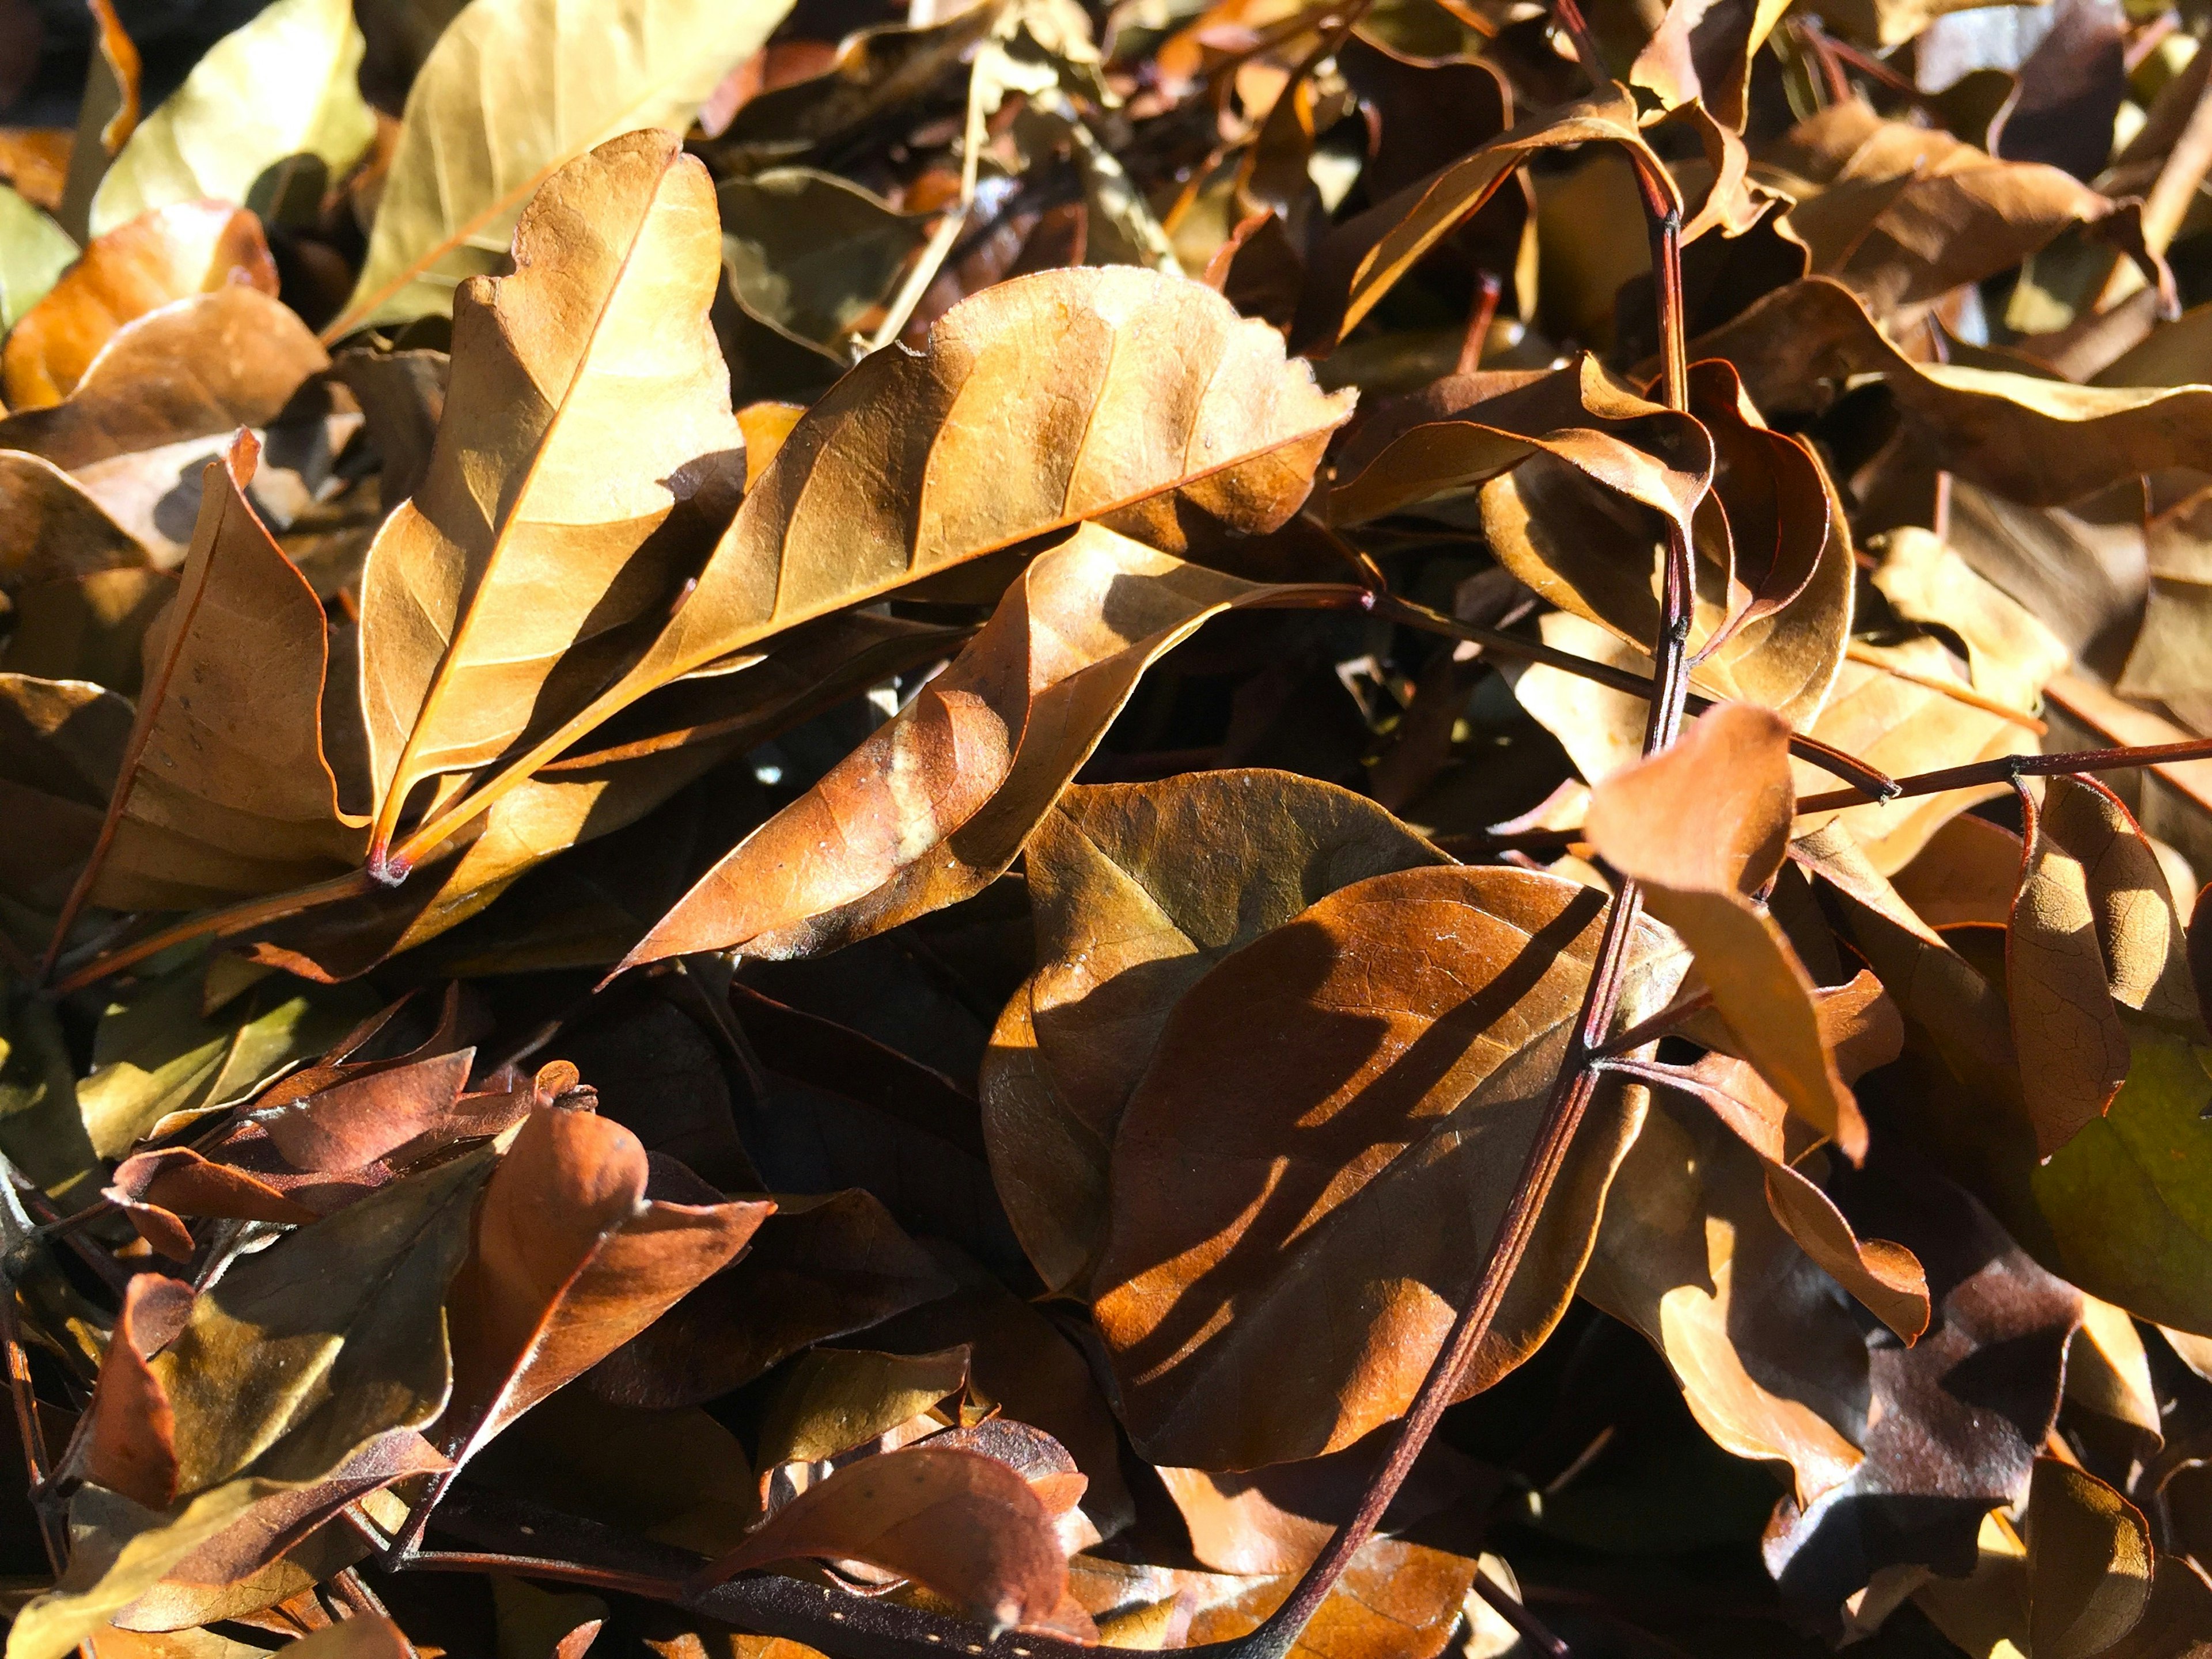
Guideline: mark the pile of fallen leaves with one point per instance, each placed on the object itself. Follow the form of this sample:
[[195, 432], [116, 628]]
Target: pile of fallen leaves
[[1363, 828]]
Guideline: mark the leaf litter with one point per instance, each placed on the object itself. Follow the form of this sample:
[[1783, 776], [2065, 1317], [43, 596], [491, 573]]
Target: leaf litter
[[1361, 828]]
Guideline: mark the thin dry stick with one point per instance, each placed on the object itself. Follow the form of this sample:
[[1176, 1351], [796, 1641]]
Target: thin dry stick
[[1577, 1080], [36, 1461], [2007, 768]]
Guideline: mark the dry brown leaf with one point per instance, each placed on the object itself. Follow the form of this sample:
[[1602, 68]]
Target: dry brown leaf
[[1396, 1056], [194, 368], [1138, 890], [225, 789], [1362, 260], [938, 803], [570, 1259], [163, 255], [1117, 395], [1701, 826], [587, 403], [2089, 1563], [964, 1524]]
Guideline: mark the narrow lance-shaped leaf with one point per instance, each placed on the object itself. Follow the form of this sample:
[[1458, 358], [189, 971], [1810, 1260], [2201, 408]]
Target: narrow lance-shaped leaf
[[937, 804], [511, 90], [588, 401], [1397, 1043], [1702, 826], [1466, 428], [1115, 394], [1362, 260], [282, 85], [225, 789]]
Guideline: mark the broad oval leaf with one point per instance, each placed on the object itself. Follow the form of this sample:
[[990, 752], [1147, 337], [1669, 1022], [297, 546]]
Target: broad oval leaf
[[962, 1523], [1395, 1046], [1138, 890], [192, 369], [282, 85], [511, 90]]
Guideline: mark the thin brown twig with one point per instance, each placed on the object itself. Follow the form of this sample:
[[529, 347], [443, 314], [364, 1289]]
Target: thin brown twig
[[1526, 1624], [37, 1462], [1578, 1079], [2006, 768]]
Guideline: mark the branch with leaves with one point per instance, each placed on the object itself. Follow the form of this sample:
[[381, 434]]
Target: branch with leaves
[[1351, 829]]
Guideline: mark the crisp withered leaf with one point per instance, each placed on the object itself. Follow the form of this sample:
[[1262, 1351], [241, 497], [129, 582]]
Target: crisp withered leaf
[[2090, 1562], [1277, 1519], [58, 530], [821, 1267], [1362, 260], [662, 745], [1113, 394], [333, 1335], [811, 254], [1398, 1043], [1702, 826], [2092, 930], [513, 89], [1465, 428], [1897, 707], [964, 1524], [1903, 213], [570, 1259], [1948, 1438], [193, 368], [128, 1440], [158, 1050], [587, 399], [1774, 632], [1772, 1366], [297, 1384], [835, 1399], [936, 804], [281, 86], [1703, 50], [60, 742], [1138, 890], [163, 255], [2035, 441], [225, 787]]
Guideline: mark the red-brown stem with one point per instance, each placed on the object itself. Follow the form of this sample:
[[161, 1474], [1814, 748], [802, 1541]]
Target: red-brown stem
[[36, 1462], [571, 1572], [1479, 317], [2008, 768], [236, 918], [1578, 1079], [1873, 783], [1529, 1628]]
